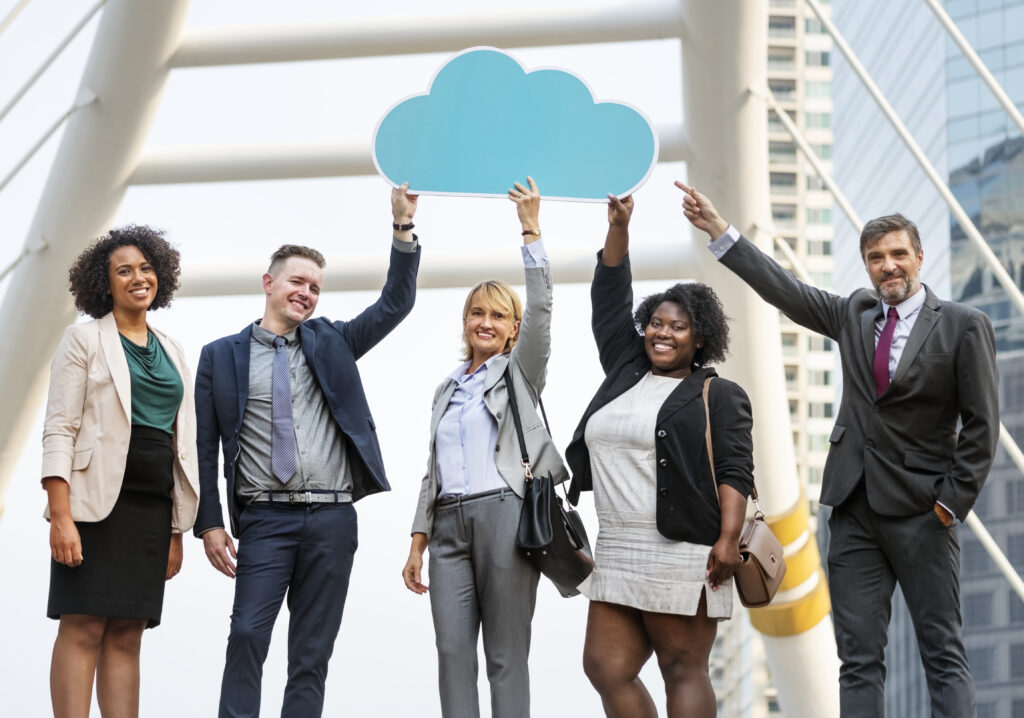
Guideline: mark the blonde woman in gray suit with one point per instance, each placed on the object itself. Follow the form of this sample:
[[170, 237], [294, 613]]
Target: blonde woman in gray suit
[[119, 469], [471, 496]]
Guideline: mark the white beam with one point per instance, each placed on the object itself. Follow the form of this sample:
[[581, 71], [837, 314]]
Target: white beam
[[430, 32], [293, 160], [126, 70], [962, 218]]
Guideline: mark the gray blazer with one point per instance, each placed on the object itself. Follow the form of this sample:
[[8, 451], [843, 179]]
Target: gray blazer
[[904, 444], [528, 363]]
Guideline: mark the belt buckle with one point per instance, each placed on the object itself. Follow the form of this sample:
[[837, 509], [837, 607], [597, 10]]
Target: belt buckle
[[297, 497]]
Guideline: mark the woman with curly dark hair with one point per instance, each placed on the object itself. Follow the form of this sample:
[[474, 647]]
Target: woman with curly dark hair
[[119, 470], [669, 533]]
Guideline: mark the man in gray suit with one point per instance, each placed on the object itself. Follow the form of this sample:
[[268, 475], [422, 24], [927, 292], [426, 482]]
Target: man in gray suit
[[898, 473]]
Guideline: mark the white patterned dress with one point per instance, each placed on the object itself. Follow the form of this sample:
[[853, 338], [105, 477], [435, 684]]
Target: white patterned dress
[[634, 564]]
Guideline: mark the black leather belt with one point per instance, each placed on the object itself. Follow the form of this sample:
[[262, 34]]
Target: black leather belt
[[473, 498]]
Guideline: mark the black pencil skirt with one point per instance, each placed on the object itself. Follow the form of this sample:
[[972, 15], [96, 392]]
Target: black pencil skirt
[[124, 556]]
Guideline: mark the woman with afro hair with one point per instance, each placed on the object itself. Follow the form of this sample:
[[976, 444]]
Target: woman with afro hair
[[119, 470], [669, 525]]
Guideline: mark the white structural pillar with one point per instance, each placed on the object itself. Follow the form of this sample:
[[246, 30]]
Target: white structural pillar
[[727, 131], [126, 71]]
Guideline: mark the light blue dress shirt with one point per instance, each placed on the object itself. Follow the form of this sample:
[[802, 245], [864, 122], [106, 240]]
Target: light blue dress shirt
[[468, 433]]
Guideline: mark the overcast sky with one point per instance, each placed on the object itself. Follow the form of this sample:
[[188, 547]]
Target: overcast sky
[[384, 662]]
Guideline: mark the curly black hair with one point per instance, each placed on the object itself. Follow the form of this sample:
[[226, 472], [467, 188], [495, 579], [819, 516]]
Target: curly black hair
[[90, 274], [706, 315]]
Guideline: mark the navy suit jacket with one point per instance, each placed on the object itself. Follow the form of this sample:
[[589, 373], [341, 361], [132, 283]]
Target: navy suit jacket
[[331, 350]]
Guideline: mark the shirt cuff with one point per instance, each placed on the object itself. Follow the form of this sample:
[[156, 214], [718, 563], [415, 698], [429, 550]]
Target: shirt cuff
[[724, 243], [534, 255], [409, 247]]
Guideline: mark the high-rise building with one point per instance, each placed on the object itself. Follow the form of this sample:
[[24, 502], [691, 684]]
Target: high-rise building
[[973, 143], [800, 79]]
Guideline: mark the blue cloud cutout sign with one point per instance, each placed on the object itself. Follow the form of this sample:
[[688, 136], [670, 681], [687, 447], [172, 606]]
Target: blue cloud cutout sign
[[486, 122]]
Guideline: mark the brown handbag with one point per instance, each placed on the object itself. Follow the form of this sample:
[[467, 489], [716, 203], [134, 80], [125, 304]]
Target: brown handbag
[[760, 574]]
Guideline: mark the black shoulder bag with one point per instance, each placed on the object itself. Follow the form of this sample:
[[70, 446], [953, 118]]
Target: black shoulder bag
[[550, 535]]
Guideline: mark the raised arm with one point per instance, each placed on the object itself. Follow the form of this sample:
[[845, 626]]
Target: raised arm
[[533, 347], [364, 331], [814, 308], [611, 292]]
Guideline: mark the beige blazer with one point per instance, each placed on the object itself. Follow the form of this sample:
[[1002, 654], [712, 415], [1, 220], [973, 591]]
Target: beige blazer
[[88, 423]]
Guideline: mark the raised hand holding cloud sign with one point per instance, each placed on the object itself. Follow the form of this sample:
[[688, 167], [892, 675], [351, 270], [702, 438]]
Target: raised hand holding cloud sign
[[486, 122]]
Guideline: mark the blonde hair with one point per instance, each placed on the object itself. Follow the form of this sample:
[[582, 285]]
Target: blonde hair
[[494, 294]]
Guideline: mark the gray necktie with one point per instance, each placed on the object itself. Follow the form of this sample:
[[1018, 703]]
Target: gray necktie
[[282, 435]]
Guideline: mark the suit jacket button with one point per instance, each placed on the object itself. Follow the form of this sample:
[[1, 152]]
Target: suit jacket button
[[869, 444], [499, 416], [663, 462], [662, 491], [662, 433]]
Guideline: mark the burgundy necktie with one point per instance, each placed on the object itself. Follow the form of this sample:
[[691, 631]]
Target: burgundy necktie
[[881, 365]]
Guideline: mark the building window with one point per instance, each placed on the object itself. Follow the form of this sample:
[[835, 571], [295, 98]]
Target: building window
[[817, 215], [819, 120], [986, 710], [977, 610], [1014, 497], [973, 559], [982, 662], [819, 377], [1017, 661], [784, 215], [781, 58], [813, 59], [1017, 709], [818, 343], [790, 372], [782, 89], [781, 152], [781, 26], [817, 442], [820, 410], [782, 182], [823, 248], [794, 406], [823, 151], [818, 89], [814, 474], [1015, 550], [813, 26], [1016, 607], [788, 342]]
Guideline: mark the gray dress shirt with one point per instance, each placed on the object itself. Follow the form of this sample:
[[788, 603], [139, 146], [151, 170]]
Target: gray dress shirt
[[319, 444]]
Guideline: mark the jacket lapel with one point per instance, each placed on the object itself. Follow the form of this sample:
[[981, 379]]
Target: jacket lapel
[[689, 388], [867, 332], [926, 321], [441, 405], [241, 350], [117, 363]]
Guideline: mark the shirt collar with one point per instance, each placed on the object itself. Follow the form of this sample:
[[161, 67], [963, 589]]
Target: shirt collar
[[908, 306], [266, 337], [459, 375]]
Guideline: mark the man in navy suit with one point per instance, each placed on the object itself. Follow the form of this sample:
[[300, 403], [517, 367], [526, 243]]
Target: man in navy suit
[[284, 400], [899, 471]]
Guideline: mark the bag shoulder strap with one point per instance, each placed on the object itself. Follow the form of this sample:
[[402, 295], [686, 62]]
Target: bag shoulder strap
[[514, 406], [707, 438]]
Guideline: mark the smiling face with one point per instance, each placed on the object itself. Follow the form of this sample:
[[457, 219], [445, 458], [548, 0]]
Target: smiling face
[[670, 340], [291, 295], [133, 281], [894, 266], [487, 328]]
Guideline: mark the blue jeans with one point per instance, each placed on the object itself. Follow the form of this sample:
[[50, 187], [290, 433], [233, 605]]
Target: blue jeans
[[306, 553]]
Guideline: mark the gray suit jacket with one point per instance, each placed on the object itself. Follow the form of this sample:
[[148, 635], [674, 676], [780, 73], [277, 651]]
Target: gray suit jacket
[[528, 363], [903, 444]]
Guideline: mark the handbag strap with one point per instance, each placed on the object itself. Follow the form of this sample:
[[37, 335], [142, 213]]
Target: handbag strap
[[514, 405], [711, 452], [518, 421]]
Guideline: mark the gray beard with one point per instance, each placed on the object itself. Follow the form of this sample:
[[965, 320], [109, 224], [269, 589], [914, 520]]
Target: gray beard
[[893, 297]]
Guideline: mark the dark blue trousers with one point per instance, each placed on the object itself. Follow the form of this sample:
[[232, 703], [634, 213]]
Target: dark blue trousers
[[305, 553]]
